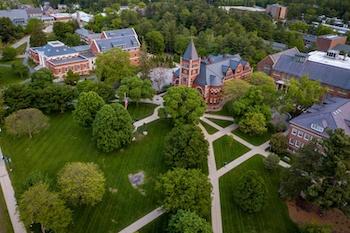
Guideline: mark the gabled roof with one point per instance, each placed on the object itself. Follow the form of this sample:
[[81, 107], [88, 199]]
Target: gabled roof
[[276, 56], [190, 52], [333, 113], [14, 14], [55, 48], [120, 32]]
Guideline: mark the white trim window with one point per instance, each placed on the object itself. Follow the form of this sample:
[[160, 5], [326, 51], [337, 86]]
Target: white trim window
[[307, 137], [297, 144], [291, 142], [300, 134], [294, 131]]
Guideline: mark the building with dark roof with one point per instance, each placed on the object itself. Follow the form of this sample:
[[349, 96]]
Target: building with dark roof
[[209, 74], [333, 113], [327, 42], [17, 16]]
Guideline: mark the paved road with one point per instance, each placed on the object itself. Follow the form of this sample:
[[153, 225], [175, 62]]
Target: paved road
[[20, 42], [143, 221], [9, 195]]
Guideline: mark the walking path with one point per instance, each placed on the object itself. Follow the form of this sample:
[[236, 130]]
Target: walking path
[[143, 221], [10, 199]]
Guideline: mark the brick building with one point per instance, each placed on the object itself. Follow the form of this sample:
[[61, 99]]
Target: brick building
[[277, 11], [209, 74], [327, 42], [333, 113], [329, 68], [60, 58]]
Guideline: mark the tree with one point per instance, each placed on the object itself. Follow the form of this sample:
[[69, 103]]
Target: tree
[[312, 228], [253, 123], [266, 85], [299, 26], [2, 109], [89, 103], [271, 161], [145, 64], [112, 128], [71, 78], [8, 30], [71, 39], [9, 54], [155, 40], [302, 94], [102, 89], [38, 38], [188, 222], [279, 143], [21, 70], [319, 171], [26, 121], [186, 147], [184, 104], [34, 25], [236, 88], [135, 88], [39, 205], [81, 183], [185, 189], [41, 78], [113, 65], [323, 30], [250, 192], [61, 29]]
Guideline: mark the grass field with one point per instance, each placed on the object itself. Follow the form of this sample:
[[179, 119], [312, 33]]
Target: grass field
[[21, 49], [221, 123], [5, 223], [7, 76], [224, 111], [272, 219], [141, 110], [227, 149], [255, 140], [157, 226], [210, 129], [64, 141]]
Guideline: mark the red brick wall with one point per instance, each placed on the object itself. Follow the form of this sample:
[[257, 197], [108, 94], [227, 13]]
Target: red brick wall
[[81, 68], [324, 44], [264, 64], [298, 137]]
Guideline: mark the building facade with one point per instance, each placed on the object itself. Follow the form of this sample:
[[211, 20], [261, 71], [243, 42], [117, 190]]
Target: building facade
[[209, 74], [327, 42], [330, 68], [331, 114], [277, 11], [60, 58]]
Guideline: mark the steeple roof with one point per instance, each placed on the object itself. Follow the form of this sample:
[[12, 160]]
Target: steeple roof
[[191, 52]]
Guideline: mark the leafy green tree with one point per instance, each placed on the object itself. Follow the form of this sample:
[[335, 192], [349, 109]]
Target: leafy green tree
[[319, 171], [41, 78], [271, 161], [2, 109], [299, 26], [302, 94], [71, 78], [113, 65], [155, 40], [33, 26], [188, 222], [250, 192], [312, 228], [39, 205], [102, 89], [17, 97], [112, 128], [266, 85], [71, 39], [89, 103], [26, 121], [8, 31], [185, 189], [253, 123], [9, 54], [61, 29], [135, 88], [236, 88], [184, 104], [81, 183], [323, 30], [279, 143], [21, 70], [186, 147], [38, 38]]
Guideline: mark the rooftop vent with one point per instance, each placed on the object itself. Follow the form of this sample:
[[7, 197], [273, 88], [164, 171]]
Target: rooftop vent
[[333, 54], [317, 127], [301, 57]]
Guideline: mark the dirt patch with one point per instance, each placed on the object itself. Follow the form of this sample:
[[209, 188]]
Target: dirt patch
[[137, 180], [335, 218]]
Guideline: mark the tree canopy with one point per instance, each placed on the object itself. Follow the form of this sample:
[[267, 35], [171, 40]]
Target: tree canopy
[[185, 189], [135, 88], [184, 104], [188, 222], [102, 89], [186, 147]]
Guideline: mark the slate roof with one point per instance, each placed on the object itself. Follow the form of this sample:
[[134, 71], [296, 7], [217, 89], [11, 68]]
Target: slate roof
[[15, 15], [342, 47], [81, 48], [34, 11], [333, 113], [310, 37], [51, 51], [324, 73], [190, 52], [125, 42], [120, 32], [276, 56], [68, 60], [86, 33]]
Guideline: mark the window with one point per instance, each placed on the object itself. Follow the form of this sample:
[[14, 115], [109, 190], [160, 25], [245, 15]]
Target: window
[[291, 142], [307, 137], [300, 134], [297, 144], [294, 131]]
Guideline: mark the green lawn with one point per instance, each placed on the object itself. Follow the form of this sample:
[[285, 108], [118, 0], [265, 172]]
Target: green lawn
[[210, 129], [224, 111], [273, 218], [255, 140], [227, 149], [221, 123], [159, 225], [7, 76], [5, 223], [21, 49], [64, 141], [141, 110], [11, 62]]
